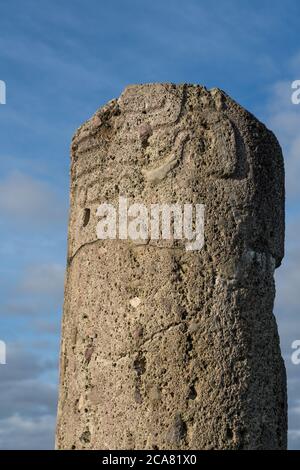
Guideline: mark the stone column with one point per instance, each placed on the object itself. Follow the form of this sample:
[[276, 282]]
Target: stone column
[[162, 347]]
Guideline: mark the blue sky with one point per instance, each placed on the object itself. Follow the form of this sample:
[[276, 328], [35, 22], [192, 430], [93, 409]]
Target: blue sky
[[61, 60]]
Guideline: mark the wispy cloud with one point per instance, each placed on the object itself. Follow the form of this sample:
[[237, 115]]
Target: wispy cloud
[[28, 401], [284, 120], [19, 433], [45, 279], [60, 64], [25, 200], [283, 117]]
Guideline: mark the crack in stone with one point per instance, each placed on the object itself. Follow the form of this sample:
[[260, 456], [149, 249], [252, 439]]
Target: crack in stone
[[79, 249], [134, 245], [142, 345], [199, 358]]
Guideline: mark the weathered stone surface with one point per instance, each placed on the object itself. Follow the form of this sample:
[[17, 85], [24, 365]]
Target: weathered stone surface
[[164, 348]]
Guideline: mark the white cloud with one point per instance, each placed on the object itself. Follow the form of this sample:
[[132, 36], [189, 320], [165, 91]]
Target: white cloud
[[294, 439], [17, 432], [44, 279], [22, 365], [37, 293], [27, 201], [284, 120], [295, 409], [48, 327], [28, 401], [287, 287], [283, 117]]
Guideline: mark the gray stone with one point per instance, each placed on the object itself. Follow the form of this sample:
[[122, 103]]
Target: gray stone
[[161, 347]]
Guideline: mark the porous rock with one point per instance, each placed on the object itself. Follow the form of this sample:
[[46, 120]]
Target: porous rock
[[164, 348]]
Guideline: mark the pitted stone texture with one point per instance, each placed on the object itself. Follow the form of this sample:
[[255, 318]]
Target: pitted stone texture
[[164, 348]]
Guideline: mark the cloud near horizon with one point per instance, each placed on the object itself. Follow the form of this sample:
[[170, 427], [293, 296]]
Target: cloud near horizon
[[61, 63]]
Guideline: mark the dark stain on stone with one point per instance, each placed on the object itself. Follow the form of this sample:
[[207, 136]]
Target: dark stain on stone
[[85, 437], [177, 431], [145, 131], [192, 395], [88, 353], [86, 217], [138, 396], [139, 364]]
